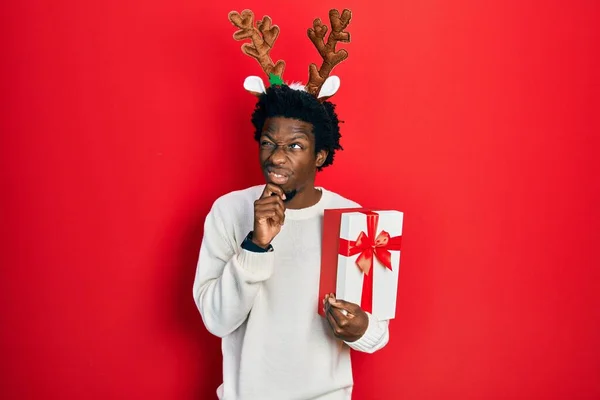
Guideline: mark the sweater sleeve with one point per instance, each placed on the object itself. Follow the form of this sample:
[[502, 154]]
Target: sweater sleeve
[[375, 338], [228, 278]]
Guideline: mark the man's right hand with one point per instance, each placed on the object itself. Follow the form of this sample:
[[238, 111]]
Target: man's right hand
[[269, 215]]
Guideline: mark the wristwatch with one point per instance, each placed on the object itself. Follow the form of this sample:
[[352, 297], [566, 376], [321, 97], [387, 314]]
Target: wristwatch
[[249, 245]]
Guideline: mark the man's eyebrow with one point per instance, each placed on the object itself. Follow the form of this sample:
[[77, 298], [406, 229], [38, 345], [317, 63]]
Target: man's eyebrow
[[266, 134], [299, 133]]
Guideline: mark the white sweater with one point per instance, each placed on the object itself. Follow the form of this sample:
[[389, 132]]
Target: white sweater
[[264, 305]]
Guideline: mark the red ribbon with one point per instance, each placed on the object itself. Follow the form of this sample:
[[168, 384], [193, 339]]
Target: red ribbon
[[380, 247]]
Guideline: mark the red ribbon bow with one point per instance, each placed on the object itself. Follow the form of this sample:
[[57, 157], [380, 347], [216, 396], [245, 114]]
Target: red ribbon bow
[[367, 247]]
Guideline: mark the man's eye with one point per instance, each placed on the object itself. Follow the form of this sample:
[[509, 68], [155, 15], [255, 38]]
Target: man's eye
[[266, 144], [295, 146]]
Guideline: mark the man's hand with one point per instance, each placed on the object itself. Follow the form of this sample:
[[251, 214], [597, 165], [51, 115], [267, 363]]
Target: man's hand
[[347, 320], [269, 215]]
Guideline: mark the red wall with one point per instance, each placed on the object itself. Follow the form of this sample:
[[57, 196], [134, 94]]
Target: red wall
[[122, 121]]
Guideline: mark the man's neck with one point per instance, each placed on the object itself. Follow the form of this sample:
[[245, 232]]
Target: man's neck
[[306, 198]]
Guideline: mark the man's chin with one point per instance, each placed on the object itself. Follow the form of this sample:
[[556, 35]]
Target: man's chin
[[289, 194]]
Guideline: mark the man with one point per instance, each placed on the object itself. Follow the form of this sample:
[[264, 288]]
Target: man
[[257, 279]]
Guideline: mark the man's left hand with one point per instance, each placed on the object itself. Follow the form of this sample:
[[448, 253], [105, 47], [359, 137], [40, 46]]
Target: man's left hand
[[347, 320]]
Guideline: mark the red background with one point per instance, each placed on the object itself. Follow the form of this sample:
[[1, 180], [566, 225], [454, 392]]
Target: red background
[[122, 121]]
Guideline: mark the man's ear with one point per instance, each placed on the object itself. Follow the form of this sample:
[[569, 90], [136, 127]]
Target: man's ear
[[321, 157]]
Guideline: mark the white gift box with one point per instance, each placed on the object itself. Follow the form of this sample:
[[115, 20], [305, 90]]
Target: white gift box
[[360, 258]]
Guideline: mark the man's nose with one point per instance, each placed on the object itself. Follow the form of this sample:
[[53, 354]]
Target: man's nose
[[277, 156]]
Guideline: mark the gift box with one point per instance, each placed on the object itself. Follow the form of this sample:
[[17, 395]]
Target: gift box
[[360, 258]]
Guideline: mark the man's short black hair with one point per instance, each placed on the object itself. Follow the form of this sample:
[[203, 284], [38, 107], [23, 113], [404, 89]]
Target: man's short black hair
[[283, 101]]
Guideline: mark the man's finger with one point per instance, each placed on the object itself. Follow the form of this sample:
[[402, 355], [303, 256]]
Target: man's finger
[[352, 308], [267, 214], [270, 200], [269, 217], [338, 315], [272, 205], [273, 201], [271, 188], [337, 330]]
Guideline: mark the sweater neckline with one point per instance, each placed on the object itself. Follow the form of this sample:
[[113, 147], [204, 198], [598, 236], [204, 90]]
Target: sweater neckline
[[312, 211]]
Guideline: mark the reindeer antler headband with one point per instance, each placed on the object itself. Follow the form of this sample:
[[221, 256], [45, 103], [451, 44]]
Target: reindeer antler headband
[[263, 37]]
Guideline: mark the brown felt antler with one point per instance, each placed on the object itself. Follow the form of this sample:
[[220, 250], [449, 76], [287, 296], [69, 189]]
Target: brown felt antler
[[262, 38], [330, 57]]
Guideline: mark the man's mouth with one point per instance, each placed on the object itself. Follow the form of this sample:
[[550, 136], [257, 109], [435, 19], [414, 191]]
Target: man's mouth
[[277, 177]]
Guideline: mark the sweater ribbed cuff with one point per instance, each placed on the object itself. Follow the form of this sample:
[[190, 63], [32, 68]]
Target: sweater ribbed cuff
[[255, 267], [371, 337]]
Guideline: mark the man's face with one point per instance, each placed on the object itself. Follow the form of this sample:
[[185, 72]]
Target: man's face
[[287, 154]]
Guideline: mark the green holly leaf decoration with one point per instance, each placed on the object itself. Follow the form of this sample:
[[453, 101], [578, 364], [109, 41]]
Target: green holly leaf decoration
[[275, 80]]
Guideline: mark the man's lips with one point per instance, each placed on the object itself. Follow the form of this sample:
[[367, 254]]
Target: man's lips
[[278, 176], [278, 171]]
